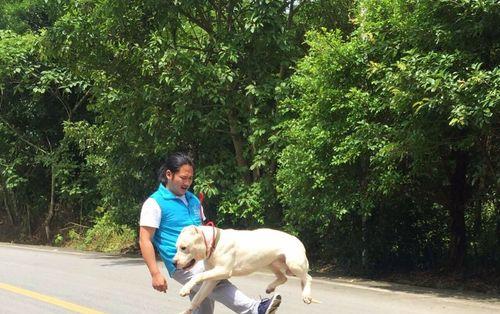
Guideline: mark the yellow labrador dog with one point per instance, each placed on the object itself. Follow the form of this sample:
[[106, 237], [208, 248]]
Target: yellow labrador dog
[[228, 252]]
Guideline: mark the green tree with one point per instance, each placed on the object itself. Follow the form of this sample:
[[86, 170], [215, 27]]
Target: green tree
[[23, 16], [186, 75], [399, 118], [36, 164]]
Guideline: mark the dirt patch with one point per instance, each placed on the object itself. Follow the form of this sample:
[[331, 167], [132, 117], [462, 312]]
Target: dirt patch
[[8, 232], [19, 233]]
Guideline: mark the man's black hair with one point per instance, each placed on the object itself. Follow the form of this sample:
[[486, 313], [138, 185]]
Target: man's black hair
[[173, 163]]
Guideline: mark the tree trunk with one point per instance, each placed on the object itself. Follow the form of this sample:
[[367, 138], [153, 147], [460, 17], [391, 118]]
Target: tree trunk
[[496, 255], [364, 253], [358, 241], [456, 208], [50, 213], [6, 205], [14, 209], [238, 146], [256, 171], [28, 221], [363, 175], [477, 228]]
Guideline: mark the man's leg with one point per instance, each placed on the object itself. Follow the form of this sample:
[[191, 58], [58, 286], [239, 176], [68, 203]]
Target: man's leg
[[229, 295], [225, 292]]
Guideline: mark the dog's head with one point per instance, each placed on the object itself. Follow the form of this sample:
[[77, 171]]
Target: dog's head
[[190, 248]]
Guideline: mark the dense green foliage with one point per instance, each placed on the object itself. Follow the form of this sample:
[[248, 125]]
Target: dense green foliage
[[388, 130], [371, 125]]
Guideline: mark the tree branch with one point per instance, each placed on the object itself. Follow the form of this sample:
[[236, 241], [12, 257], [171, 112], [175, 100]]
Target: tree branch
[[79, 103], [21, 137], [202, 24], [56, 94]]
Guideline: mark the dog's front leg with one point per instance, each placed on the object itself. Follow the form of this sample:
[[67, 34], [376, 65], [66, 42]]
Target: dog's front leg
[[217, 273], [206, 288], [209, 280]]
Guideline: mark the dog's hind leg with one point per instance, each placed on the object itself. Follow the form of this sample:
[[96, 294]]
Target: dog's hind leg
[[300, 269], [276, 267], [305, 282]]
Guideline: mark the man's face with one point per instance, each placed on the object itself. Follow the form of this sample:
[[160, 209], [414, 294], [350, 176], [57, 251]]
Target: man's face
[[180, 181]]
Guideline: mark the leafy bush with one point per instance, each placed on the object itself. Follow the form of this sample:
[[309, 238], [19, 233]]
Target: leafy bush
[[105, 236]]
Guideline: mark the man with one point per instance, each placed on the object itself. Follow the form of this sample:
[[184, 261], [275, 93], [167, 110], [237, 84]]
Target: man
[[163, 215]]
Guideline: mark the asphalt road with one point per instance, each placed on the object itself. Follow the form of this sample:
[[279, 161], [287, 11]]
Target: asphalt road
[[48, 280]]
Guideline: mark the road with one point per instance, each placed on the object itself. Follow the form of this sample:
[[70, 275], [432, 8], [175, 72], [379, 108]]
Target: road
[[39, 280]]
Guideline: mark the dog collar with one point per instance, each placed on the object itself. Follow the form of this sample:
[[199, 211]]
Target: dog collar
[[215, 239]]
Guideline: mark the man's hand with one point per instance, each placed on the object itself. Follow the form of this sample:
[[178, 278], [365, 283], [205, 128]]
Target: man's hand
[[159, 282]]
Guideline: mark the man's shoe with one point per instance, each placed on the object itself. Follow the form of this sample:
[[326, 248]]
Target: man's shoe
[[269, 306]]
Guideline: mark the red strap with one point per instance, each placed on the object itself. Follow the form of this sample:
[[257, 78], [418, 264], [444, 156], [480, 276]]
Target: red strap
[[206, 222], [201, 197]]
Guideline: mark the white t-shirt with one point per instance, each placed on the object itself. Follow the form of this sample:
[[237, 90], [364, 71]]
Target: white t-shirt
[[151, 212]]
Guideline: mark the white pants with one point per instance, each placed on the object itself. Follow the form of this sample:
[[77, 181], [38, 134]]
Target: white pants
[[225, 292]]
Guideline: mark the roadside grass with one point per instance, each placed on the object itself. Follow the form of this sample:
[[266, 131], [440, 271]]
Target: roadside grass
[[104, 236]]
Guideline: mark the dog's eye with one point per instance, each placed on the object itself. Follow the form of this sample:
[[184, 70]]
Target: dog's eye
[[183, 248]]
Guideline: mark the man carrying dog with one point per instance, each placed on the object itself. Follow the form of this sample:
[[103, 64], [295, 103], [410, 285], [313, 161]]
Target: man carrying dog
[[164, 214]]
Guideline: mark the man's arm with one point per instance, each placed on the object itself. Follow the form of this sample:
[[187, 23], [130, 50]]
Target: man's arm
[[148, 254]]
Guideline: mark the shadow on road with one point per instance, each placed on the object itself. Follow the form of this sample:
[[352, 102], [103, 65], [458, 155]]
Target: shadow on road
[[118, 260], [442, 293], [490, 297]]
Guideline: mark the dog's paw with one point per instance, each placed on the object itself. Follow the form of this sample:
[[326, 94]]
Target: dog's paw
[[270, 289], [307, 299], [185, 290]]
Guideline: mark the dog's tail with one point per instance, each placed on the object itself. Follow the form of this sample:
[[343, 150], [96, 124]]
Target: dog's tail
[[309, 300]]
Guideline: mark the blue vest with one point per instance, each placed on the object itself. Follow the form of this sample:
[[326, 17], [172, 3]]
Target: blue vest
[[175, 215]]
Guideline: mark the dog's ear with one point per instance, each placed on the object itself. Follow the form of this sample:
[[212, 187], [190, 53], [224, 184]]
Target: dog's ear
[[188, 229], [192, 230]]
